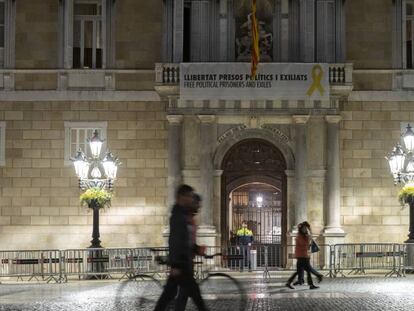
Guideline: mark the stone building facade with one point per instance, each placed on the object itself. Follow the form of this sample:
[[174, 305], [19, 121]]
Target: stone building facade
[[70, 66]]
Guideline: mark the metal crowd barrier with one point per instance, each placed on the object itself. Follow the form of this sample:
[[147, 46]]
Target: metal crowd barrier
[[86, 263], [130, 261], [203, 265], [106, 262], [321, 260], [33, 264], [336, 260], [357, 258], [408, 258], [265, 258]]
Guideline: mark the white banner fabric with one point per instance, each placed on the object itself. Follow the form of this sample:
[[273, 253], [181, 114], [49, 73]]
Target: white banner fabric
[[274, 81]]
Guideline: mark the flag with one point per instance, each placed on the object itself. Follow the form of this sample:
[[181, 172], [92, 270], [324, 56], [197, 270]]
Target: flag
[[255, 41]]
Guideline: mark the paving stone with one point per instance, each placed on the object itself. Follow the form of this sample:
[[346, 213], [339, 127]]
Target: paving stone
[[371, 293]]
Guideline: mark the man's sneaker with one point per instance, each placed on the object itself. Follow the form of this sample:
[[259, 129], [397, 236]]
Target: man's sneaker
[[320, 278], [288, 285], [313, 287]]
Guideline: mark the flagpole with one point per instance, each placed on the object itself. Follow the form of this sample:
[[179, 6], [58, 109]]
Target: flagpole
[[255, 41]]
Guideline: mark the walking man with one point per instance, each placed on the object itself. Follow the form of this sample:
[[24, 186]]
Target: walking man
[[182, 297], [244, 242], [182, 246]]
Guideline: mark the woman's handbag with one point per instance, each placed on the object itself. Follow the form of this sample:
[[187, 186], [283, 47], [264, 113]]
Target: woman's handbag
[[314, 247]]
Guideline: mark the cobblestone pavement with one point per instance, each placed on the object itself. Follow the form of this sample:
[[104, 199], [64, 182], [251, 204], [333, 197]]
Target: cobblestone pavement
[[335, 294]]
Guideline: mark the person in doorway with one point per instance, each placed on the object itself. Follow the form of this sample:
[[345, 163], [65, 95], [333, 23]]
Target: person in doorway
[[181, 245], [244, 243], [302, 255]]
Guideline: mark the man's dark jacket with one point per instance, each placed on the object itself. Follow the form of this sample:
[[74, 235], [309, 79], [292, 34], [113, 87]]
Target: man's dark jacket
[[181, 247]]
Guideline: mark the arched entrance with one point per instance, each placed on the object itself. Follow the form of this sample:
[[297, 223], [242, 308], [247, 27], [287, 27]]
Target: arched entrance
[[254, 189]]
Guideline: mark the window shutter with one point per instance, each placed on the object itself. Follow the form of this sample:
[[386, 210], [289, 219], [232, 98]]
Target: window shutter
[[200, 34], [325, 31]]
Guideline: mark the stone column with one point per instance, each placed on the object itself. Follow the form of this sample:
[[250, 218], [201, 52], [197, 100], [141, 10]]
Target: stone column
[[291, 221], [290, 184], [333, 233], [206, 167], [174, 156], [217, 205], [207, 230], [333, 185], [301, 211]]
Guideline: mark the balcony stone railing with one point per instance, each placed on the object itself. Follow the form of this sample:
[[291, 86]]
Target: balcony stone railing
[[76, 79]]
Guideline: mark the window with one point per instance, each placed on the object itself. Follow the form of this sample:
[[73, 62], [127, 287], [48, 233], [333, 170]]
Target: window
[[87, 33], [2, 25], [409, 34], [403, 34], [2, 143], [191, 30], [7, 30], [325, 31], [290, 31], [317, 31], [200, 30], [187, 33], [77, 135]]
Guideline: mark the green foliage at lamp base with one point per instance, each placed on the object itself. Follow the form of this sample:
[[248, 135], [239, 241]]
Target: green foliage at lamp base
[[406, 194], [96, 198]]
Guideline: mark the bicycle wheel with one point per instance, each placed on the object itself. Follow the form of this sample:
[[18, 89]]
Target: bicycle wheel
[[139, 292], [222, 292]]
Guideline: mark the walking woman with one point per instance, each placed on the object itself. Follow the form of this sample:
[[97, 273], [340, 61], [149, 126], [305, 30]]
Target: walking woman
[[302, 254]]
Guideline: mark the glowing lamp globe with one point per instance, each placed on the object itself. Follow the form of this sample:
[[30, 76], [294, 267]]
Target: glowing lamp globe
[[396, 159], [110, 164], [95, 143], [408, 138], [81, 165]]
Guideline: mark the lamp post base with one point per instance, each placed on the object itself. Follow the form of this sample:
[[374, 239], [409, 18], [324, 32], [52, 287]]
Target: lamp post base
[[409, 260], [95, 244], [96, 258]]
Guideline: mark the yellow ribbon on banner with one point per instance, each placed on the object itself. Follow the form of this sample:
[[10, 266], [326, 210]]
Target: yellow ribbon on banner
[[317, 76]]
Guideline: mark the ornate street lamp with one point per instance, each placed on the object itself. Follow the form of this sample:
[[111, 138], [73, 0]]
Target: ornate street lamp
[[401, 161], [96, 177]]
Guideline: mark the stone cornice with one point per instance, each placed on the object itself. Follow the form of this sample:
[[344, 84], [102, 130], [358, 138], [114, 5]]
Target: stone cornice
[[174, 119], [218, 173], [333, 119], [300, 119], [316, 173], [204, 118]]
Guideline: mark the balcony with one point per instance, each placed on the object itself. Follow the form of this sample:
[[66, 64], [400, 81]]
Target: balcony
[[76, 80], [167, 79]]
